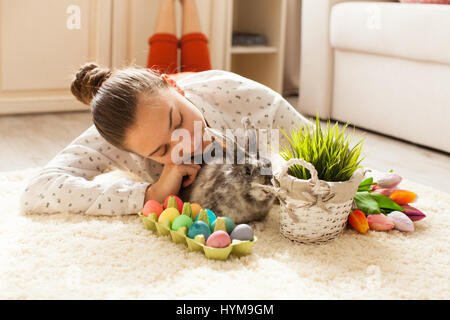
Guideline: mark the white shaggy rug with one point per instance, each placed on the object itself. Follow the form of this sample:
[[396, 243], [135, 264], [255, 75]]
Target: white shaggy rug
[[70, 256]]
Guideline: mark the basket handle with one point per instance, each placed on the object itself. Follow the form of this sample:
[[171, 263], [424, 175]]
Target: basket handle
[[314, 181]]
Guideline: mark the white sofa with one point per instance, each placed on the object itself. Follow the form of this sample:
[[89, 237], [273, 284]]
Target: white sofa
[[381, 65]]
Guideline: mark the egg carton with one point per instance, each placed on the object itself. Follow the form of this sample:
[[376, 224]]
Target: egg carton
[[237, 247]]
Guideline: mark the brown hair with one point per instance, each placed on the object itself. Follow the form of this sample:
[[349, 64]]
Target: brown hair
[[113, 96]]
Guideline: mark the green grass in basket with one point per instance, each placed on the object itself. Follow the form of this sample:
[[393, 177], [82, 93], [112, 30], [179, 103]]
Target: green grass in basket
[[328, 150]]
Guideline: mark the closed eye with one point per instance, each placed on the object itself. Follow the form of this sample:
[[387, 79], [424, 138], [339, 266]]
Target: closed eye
[[181, 121], [165, 150], [166, 147]]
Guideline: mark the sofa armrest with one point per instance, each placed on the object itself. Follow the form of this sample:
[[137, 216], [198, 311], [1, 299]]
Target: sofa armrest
[[316, 62]]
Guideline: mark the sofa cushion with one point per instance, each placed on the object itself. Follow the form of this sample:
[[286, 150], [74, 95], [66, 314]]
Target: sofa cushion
[[412, 31]]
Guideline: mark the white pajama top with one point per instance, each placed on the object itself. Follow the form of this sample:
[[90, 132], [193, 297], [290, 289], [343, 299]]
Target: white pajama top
[[65, 183]]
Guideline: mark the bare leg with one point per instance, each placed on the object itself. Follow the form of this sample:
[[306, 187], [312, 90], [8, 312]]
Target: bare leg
[[165, 21], [191, 22]]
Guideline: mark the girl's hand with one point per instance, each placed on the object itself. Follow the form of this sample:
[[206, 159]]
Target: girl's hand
[[189, 170], [171, 180], [173, 174]]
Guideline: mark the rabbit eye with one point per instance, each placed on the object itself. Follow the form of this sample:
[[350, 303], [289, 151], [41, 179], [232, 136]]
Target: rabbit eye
[[248, 171]]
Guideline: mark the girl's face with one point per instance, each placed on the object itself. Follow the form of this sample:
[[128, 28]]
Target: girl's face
[[156, 119]]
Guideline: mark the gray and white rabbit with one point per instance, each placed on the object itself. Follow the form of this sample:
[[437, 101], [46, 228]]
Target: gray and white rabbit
[[233, 189]]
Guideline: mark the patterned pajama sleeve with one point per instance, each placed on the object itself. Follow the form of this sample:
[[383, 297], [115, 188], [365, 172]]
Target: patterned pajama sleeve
[[286, 117]]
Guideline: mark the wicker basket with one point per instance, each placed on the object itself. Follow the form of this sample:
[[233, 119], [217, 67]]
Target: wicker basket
[[313, 211]]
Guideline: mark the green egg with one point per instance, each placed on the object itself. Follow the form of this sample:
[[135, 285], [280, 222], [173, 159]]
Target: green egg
[[181, 221], [229, 224]]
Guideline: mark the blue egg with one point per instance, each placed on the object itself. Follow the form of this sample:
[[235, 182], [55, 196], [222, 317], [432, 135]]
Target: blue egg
[[211, 216], [199, 227]]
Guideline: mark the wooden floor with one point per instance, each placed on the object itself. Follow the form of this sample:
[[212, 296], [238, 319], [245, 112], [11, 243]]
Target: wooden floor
[[32, 140]]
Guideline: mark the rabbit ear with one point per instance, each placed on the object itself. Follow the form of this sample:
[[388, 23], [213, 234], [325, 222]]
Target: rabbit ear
[[251, 137], [228, 144]]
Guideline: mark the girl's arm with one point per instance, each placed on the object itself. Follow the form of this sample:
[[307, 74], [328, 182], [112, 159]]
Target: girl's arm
[[286, 117], [67, 184]]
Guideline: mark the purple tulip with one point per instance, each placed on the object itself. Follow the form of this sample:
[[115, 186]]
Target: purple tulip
[[413, 213]]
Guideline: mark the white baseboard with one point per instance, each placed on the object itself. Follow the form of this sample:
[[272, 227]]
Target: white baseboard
[[40, 104]]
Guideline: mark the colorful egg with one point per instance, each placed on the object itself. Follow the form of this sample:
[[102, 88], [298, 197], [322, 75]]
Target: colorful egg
[[229, 224], [242, 232], [168, 216], [199, 227], [169, 202], [218, 239], [181, 221], [211, 216], [152, 206], [195, 209]]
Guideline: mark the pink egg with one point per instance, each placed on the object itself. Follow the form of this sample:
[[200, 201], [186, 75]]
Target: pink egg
[[218, 239], [179, 203], [152, 206]]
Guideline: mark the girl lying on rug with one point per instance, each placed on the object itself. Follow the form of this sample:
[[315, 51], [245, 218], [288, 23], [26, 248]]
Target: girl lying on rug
[[135, 110]]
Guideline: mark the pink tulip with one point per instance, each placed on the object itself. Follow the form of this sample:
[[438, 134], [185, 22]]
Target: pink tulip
[[379, 222], [384, 191]]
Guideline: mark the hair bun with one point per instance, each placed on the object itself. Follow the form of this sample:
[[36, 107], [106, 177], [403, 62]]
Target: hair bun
[[88, 80]]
